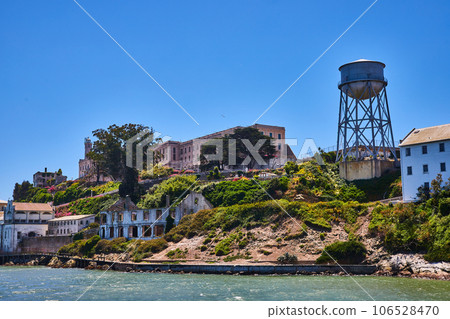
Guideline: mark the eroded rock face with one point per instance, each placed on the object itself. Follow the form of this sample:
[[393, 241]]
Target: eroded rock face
[[407, 265]]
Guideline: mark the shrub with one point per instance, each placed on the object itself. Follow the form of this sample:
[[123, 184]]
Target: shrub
[[322, 236], [224, 246], [295, 236], [348, 252], [78, 236], [88, 249], [243, 243], [444, 206], [203, 248], [287, 259], [177, 253], [116, 245]]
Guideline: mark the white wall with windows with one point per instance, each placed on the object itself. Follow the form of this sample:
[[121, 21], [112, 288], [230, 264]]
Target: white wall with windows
[[421, 163]]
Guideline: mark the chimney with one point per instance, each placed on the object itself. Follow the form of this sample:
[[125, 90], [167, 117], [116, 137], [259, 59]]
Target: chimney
[[167, 200], [46, 170], [127, 202]]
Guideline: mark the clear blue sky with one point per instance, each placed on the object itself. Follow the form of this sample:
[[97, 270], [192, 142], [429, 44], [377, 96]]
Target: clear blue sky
[[61, 77]]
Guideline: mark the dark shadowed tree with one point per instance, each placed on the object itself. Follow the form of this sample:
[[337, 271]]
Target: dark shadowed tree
[[254, 136]]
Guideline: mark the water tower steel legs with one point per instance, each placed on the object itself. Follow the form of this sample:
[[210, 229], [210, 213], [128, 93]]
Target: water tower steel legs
[[361, 123]]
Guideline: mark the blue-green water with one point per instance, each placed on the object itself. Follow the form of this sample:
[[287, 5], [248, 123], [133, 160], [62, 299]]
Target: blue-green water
[[42, 283]]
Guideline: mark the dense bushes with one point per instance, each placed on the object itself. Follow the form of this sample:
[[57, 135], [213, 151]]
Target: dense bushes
[[173, 187], [86, 206], [386, 186], [78, 190], [287, 259], [82, 248], [322, 182], [156, 172], [138, 249], [413, 228], [343, 252]]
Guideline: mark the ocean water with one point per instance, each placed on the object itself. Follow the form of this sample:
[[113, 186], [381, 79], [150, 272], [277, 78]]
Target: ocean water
[[43, 283]]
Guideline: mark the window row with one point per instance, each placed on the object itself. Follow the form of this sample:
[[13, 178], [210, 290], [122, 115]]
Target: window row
[[425, 149], [409, 170]]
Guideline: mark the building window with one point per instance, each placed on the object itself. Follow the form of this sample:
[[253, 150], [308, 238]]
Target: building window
[[443, 168], [120, 217], [174, 157], [279, 147], [426, 185], [133, 216], [279, 136], [158, 214], [408, 151], [409, 170], [425, 168], [441, 147], [270, 134], [424, 149], [146, 215]]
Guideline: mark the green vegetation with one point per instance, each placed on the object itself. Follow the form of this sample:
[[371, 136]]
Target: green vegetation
[[244, 191], [387, 186], [287, 259], [177, 253], [82, 248], [156, 171], [173, 187], [137, 249], [72, 191], [413, 228], [344, 252], [322, 182], [26, 192], [264, 214], [86, 206]]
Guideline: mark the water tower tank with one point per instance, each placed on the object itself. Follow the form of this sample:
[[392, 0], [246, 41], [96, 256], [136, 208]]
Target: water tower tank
[[362, 78], [364, 126]]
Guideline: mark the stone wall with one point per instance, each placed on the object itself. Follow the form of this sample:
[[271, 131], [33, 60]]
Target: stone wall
[[43, 244]]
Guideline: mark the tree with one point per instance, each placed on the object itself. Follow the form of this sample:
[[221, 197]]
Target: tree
[[241, 136], [130, 185], [290, 168], [109, 152], [23, 192], [59, 172], [205, 165], [169, 223]]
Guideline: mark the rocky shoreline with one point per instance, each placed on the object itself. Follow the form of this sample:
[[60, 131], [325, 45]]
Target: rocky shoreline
[[414, 266], [399, 265]]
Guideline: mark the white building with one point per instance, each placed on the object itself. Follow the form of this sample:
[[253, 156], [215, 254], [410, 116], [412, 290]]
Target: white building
[[424, 154], [69, 225], [125, 219], [22, 220]]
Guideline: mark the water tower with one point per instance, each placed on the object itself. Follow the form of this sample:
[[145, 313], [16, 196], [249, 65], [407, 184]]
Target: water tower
[[365, 143]]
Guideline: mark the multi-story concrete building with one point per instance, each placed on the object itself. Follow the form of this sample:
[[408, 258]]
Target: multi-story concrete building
[[424, 154], [87, 169], [69, 225], [43, 179], [21, 220], [186, 155], [125, 219]]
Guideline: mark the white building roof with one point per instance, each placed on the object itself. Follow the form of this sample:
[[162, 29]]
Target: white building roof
[[427, 135], [73, 217]]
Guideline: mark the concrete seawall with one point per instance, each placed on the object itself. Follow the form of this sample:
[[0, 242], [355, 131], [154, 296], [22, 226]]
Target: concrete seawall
[[299, 269]]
